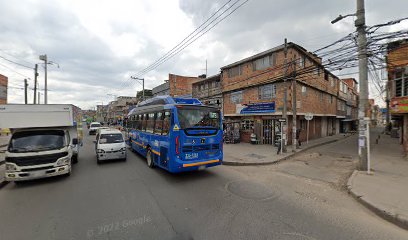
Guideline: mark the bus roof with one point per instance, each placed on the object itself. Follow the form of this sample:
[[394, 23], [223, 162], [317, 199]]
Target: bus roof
[[166, 100]]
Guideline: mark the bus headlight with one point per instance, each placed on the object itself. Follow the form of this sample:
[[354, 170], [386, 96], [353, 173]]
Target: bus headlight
[[10, 167], [63, 161]]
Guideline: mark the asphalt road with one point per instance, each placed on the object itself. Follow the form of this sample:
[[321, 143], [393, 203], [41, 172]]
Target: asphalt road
[[128, 200]]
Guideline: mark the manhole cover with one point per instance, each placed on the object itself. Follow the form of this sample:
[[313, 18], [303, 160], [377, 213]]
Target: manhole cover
[[253, 155], [251, 190]]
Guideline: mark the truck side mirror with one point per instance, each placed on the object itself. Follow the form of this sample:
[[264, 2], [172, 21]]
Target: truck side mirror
[[75, 141]]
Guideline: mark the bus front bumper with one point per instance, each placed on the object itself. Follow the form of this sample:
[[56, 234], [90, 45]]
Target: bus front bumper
[[36, 174]]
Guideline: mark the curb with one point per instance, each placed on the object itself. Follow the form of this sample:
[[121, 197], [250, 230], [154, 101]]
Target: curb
[[232, 163], [391, 217]]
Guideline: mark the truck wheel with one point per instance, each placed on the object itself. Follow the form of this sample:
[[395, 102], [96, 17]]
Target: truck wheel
[[149, 159], [74, 159]]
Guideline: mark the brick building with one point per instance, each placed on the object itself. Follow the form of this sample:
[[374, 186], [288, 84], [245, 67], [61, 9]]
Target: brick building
[[253, 90], [176, 85], [3, 89], [351, 97], [209, 91], [397, 66]]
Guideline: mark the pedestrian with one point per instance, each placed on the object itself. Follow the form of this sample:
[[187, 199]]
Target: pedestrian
[[298, 137]]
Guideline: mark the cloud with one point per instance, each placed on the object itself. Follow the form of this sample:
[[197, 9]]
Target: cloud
[[99, 44]]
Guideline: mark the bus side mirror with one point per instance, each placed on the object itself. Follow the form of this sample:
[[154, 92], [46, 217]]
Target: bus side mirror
[[75, 141]]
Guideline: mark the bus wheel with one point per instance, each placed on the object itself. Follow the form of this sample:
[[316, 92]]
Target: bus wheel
[[149, 158]]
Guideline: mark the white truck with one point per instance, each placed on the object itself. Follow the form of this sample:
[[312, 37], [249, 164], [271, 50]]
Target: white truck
[[45, 139]]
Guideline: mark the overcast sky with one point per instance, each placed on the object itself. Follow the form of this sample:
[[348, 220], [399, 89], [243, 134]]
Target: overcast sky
[[99, 44]]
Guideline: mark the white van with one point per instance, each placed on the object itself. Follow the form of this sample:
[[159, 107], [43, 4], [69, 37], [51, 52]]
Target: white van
[[110, 144]]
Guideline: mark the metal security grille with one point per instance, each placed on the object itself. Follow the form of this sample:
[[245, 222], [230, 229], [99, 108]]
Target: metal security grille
[[268, 131]]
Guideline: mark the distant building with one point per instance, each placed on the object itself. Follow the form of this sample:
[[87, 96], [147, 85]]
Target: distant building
[[3, 89], [162, 89], [209, 91], [348, 92], [118, 109], [148, 93], [176, 85]]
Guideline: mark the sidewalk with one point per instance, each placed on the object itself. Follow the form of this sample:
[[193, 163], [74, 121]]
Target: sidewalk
[[243, 154], [385, 191]]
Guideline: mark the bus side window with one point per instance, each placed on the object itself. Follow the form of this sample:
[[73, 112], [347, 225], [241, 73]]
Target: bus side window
[[139, 122], [144, 119], [159, 123], [150, 123], [166, 123]]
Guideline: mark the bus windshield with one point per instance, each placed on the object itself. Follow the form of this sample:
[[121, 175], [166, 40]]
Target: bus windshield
[[190, 117]]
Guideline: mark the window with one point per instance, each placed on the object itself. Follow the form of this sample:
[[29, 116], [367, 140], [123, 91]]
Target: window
[[111, 138], [303, 124], [144, 118], [302, 62], [191, 117], [267, 91], [235, 71], [321, 97], [236, 97], [401, 84], [317, 71], [332, 82], [247, 124], [166, 123], [150, 123], [213, 84], [139, 122], [263, 62], [159, 123], [331, 99], [304, 90], [326, 75]]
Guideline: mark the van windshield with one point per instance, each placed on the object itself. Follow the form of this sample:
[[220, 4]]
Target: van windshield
[[111, 138], [94, 125], [36, 141]]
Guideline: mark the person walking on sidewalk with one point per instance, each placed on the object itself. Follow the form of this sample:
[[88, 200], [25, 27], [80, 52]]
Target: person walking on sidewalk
[[298, 137]]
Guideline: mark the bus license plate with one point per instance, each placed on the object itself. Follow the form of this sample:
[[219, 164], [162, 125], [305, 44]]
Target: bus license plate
[[201, 167]]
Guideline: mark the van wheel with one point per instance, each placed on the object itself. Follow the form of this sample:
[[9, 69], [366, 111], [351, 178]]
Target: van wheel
[[149, 158], [97, 160]]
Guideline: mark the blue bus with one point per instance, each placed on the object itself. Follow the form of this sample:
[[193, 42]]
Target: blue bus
[[176, 134]]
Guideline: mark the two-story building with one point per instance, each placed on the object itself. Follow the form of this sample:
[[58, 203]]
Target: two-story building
[[253, 94], [209, 91], [397, 66]]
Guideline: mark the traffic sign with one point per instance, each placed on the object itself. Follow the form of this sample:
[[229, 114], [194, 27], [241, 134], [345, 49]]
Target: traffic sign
[[308, 116]]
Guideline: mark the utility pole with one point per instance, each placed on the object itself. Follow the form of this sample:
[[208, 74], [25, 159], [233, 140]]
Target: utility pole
[[25, 91], [206, 68], [387, 101], [285, 100], [294, 107], [35, 82], [363, 140], [143, 84], [44, 58]]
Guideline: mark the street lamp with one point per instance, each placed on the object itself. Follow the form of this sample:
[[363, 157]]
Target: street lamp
[[143, 81], [46, 62]]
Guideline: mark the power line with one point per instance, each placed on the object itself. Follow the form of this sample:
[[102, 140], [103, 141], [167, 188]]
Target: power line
[[15, 71], [19, 64], [192, 37]]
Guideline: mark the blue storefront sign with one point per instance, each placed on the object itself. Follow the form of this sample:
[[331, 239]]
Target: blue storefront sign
[[268, 107]]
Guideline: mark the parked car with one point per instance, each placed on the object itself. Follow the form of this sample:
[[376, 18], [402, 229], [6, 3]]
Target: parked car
[[93, 127], [110, 145]]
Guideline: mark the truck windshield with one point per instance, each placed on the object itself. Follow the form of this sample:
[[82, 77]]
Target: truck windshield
[[36, 141], [190, 117], [111, 138]]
